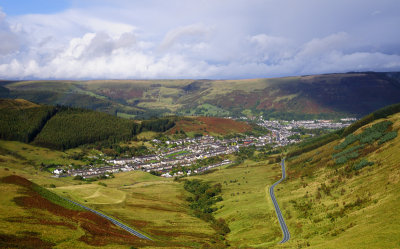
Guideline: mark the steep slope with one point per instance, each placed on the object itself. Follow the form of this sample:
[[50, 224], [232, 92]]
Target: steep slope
[[345, 194], [291, 97], [342, 193]]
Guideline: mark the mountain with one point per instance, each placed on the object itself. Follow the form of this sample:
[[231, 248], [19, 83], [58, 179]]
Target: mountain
[[328, 95]]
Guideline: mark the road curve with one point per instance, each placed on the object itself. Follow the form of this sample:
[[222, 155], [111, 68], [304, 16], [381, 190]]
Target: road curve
[[285, 230], [117, 223]]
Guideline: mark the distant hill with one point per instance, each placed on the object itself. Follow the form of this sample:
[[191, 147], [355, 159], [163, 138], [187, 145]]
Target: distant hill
[[328, 95], [16, 104]]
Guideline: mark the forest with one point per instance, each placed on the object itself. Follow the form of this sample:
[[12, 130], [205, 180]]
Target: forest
[[60, 127], [23, 124]]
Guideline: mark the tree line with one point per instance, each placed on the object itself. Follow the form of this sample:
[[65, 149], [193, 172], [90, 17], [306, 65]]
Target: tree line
[[63, 127]]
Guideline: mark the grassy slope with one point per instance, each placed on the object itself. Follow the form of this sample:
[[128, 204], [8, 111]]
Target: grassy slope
[[150, 204], [371, 222], [374, 223], [16, 104], [246, 205], [154, 205], [29, 221]]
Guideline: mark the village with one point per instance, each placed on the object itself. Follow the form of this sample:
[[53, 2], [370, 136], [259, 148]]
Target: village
[[183, 157]]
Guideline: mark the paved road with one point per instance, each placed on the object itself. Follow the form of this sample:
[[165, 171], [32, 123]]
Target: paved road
[[117, 223], [285, 230]]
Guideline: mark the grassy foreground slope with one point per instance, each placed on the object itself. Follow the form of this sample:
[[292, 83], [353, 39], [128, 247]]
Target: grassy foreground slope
[[350, 204], [344, 194], [154, 206], [30, 220]]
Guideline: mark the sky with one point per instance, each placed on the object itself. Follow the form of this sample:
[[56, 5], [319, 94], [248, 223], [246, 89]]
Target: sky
[[196, 39]]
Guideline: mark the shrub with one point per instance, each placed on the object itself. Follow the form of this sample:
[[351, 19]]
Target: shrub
[[347, 141], [363, 163], [102, 184], [351, 149], [388, 136], [345, 158], [78, 177]]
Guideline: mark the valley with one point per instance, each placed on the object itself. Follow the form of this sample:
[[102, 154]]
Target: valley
[[340, 189], [199, 124]]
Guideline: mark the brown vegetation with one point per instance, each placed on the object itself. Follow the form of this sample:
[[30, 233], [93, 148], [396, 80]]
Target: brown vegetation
[[98, 231], [210, 125]]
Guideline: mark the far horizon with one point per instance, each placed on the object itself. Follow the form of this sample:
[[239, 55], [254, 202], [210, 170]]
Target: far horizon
[[233, 39], [199, 79]]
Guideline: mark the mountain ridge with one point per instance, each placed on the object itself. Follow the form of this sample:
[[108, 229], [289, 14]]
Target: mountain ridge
[[309, 96]]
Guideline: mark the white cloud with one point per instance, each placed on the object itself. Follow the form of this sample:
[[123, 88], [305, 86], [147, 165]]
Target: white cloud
[[9, 41], [202, 39]]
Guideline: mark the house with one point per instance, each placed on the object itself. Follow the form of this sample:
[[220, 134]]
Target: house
[[58, 171]]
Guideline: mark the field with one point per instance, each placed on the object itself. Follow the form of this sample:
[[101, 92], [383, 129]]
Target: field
[[153, 205], [246, 205]]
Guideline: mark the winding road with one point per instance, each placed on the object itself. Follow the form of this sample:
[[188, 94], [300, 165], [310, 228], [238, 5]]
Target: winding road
[[285, 230], [117, 223]]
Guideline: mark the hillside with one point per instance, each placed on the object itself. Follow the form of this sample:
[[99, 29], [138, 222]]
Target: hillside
[[342, 193], [39, 219], [329, 95], [152, 205], [209, 126]]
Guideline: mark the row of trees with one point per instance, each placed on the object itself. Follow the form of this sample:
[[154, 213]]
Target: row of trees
[[202, 201]]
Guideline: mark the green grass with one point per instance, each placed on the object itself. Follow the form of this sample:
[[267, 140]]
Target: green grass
[[178, 153], [246, 205], [153, 205], [125, 115], [335, 207]]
